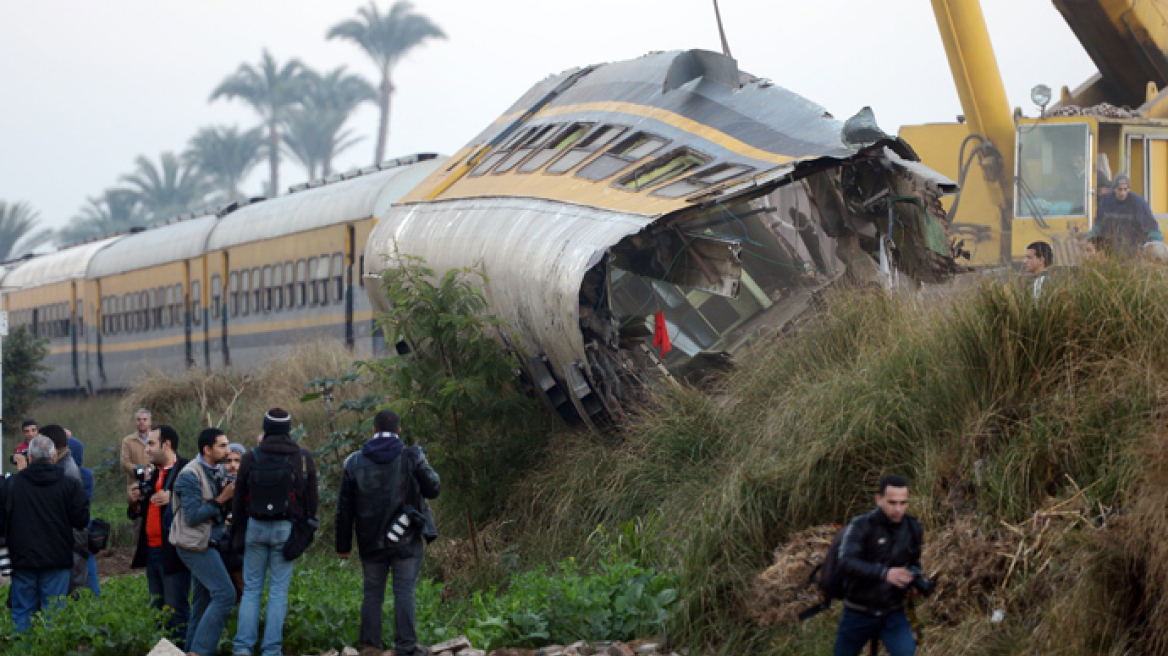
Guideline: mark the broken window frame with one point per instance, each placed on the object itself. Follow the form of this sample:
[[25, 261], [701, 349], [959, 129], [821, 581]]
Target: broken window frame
[[587, 147], [700, 180], [658, 166]]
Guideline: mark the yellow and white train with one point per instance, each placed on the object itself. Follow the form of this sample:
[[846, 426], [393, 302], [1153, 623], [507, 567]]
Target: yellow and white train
[[670, 198]]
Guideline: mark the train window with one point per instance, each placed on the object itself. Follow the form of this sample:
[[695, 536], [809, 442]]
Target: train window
[[674, 164], [267, 295], [127, 320], [535, 140], [257, 290], [244, 291], [314, 295], [699, 181], [289, 284], [361, 273], [338, 277], [277, 286], [233, 285], [196, 302], [561, 142], [633, 148], [216, 296], [159, 308], [598, 139], [301, 283], [167, 317], [144, 311], [500, 152], [178, 307]]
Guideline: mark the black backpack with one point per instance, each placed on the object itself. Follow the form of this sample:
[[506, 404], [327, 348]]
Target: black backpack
[[271, 483], [828, 577]]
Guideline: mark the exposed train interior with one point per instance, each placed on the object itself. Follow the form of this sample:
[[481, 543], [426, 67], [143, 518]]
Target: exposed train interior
[[719, 275]]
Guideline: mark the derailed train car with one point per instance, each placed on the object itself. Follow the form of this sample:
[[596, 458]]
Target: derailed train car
[[667, 198], [611, 207]]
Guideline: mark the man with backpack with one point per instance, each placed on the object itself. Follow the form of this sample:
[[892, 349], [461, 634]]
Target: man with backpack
[[275, 488], [879, 559], [383, 493]]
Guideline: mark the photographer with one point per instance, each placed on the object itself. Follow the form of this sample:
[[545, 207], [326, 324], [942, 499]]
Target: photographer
[[167, 578], [383, 485], [201, 501], [19, 457], [880, 560]]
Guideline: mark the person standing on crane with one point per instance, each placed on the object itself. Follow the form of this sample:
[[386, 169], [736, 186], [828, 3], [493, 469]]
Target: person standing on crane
[[1125, 221]]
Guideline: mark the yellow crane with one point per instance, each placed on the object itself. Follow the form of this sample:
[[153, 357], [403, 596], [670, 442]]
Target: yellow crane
[[1037, 177]]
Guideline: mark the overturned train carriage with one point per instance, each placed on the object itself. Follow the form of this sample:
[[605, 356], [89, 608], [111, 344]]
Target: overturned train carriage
[[671, 187]]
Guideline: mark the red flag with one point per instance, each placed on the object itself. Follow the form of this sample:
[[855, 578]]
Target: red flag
[[661, 334]]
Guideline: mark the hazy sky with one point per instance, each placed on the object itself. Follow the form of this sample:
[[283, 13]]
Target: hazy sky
[[86, 86]]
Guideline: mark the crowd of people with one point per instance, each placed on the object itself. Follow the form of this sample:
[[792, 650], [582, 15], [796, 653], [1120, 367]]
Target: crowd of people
[[211, 531]]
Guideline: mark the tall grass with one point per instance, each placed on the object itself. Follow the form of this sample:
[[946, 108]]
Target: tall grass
[[991, 403]]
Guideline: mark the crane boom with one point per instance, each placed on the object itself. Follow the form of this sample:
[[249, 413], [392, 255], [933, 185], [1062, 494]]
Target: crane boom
[[983, 97]]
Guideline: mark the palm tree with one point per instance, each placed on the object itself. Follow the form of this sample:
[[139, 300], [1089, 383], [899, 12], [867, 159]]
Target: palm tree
[[225, 156], [116, 210], [272, 91], [18, 230], [168, 190], [386, 39], [314, 132]]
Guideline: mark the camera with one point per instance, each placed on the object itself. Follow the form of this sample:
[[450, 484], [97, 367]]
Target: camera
[[920, 583], [406, 523], [142, 474], [22, 452], [228, 479]]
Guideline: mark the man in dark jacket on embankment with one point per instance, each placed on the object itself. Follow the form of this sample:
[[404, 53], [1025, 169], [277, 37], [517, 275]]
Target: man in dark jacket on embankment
[[375, 497], [40, 507], [879, 557]]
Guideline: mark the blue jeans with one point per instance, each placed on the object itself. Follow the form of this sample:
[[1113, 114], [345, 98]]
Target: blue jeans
[[32, 590], [406, 568], [213, 599], [169, 591], [265, 553], [856, 629], [94, 583]]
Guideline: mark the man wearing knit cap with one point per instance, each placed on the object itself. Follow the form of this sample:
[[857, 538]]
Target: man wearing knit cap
[[276, 483], [1125, 222]]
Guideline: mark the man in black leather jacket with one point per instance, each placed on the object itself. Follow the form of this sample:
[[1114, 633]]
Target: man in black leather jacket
[[876, 557], [373, 496]]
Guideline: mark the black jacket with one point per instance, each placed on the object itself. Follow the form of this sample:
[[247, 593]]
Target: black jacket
[[40, 508], [171, 563], [304, 482], [371, 494], [871, 546]]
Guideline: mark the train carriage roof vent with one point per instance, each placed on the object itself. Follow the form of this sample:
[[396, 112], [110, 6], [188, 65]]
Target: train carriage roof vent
[[298, 187], [365, 170], [136, 229], [336, 177], [693, 64], [351, 173]]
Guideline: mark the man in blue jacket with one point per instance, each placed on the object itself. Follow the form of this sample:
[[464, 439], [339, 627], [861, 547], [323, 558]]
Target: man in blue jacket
[[371, 497], [1125, 222], [40, 507], [204, 506]]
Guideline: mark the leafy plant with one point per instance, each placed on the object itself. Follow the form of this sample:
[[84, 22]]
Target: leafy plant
[[455, 379], [24, 372]]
